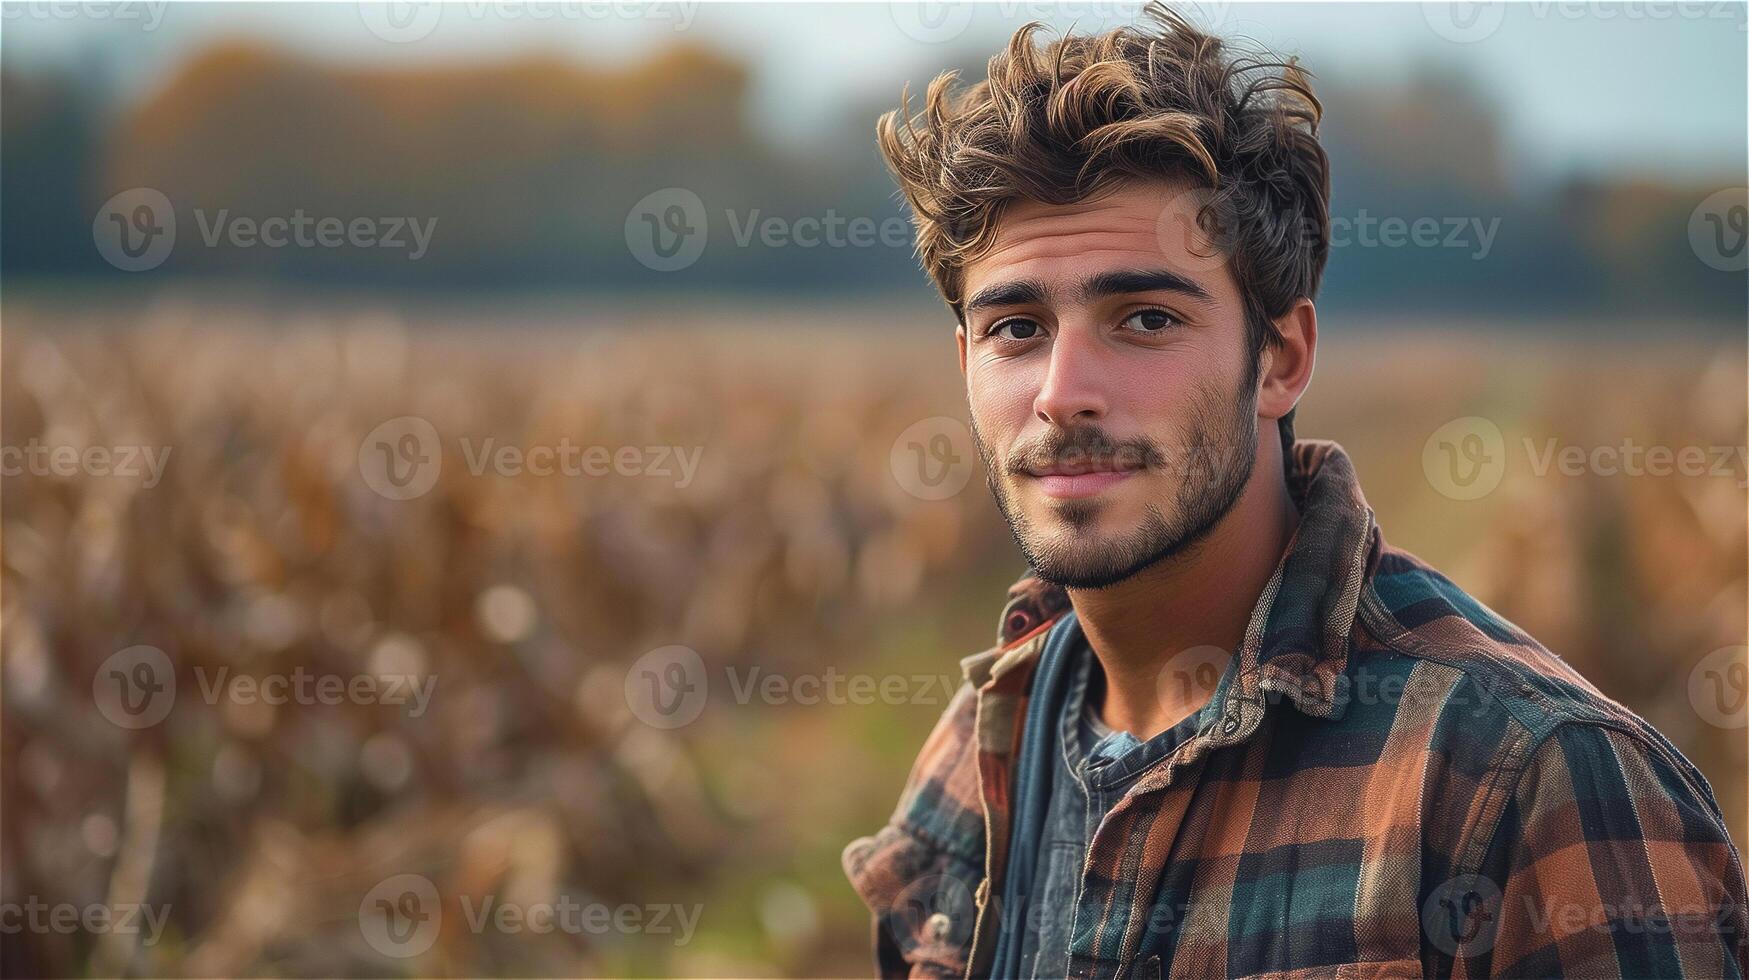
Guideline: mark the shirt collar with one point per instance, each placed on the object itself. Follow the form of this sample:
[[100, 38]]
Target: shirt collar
[[1298, 639]]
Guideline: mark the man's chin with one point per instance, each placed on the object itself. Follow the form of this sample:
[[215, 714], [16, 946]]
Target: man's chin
[[1088, 576], [1094, 542], [1089, 563]]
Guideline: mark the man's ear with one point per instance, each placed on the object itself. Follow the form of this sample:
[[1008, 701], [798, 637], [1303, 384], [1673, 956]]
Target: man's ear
[[959, 339], [1287, 367]]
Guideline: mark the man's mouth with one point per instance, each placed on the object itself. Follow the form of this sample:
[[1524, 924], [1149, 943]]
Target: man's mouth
[[1076, 480]]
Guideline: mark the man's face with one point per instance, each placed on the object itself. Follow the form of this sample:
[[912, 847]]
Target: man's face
[[1113, 395]]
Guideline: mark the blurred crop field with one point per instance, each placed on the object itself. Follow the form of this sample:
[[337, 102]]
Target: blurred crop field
[[526, 600]]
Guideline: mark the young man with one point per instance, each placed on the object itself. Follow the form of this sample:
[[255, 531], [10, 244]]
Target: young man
[[1227, 730]]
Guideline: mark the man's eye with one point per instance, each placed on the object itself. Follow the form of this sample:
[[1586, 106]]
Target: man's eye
[[1150, 321], [1016, 329]]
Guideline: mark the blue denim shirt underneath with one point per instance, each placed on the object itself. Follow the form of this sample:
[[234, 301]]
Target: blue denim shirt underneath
[[1092, 768]]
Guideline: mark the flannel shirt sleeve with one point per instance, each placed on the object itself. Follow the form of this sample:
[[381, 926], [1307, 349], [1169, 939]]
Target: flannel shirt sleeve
[[1611, 859], [920, 891]]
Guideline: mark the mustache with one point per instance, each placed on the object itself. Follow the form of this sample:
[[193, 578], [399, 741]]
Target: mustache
[[1086, 447]]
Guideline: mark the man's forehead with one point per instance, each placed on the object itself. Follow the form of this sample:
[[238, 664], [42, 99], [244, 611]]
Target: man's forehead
[[1139, 224]]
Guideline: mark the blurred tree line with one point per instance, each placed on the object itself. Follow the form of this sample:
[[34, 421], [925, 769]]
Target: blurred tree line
[[531, 167]]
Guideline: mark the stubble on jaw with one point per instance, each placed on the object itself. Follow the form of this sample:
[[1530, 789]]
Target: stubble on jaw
[[1221, 449]]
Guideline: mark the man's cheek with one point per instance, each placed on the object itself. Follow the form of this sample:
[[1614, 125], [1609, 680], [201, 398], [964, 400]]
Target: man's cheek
[[992, 420], [999, 395]]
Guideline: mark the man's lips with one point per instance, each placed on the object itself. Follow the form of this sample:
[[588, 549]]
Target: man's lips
[[1069, 483]]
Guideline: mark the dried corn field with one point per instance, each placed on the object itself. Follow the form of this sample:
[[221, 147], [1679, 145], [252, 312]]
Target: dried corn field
[[508, 604]]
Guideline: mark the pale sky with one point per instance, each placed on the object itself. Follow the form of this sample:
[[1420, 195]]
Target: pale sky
[[1655, 87]]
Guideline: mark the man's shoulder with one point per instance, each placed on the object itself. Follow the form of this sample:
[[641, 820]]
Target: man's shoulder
[[1412, 608], [1484, 680]]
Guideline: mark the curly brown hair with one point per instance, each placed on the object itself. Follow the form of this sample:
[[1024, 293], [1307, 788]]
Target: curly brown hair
[[1067, 121]]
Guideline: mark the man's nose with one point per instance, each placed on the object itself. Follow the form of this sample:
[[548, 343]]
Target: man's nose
[[1074, 388]]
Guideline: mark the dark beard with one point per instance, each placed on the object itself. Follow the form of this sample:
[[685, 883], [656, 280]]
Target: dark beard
[[1214, 465]]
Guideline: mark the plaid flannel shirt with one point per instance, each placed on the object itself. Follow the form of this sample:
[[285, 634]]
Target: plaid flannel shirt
[[1389, 780]]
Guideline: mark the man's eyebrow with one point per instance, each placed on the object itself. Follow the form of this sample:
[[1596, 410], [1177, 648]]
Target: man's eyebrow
[[1017, 293], [1140, 281], [1022, 292]]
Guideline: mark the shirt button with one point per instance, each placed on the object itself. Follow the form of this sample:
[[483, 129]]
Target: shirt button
[[1230, 724]]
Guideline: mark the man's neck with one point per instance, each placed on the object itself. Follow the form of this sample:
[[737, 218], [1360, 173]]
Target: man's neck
[[1202, 597]]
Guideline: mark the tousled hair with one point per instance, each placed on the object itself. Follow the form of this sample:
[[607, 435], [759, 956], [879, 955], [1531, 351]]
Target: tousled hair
[[1071, 120]]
